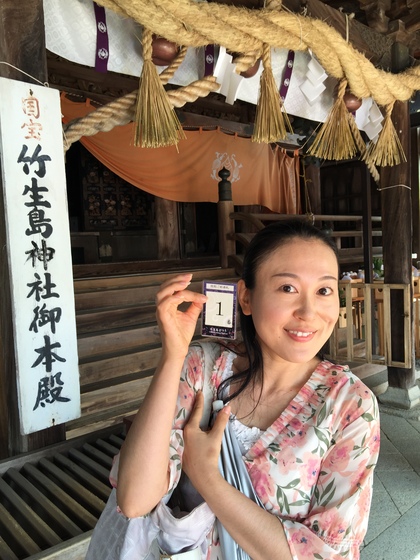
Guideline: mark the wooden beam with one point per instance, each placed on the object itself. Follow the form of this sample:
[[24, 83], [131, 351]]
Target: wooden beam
[[84, 81], [194, 120], [368, 252], [312, 203], [22, 44], [64, 75], [226, 226], [376, 14], [167, 229], [412, 21], [398, 32], [367, 222], [337, 20], [415, 188], [397, 231]]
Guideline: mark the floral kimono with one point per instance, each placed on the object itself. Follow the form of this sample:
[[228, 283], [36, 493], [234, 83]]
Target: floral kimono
[[312, 468]]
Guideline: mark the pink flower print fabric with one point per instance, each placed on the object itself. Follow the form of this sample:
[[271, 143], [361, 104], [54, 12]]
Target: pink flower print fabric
[[312, 468]]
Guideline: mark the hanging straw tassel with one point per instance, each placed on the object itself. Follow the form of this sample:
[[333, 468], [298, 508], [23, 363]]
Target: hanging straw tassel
[[387, 150], [156, 124], [271, 120], [338, 137]]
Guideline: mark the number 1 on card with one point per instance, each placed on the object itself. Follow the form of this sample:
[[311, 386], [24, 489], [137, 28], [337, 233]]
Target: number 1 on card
[[219, 313]]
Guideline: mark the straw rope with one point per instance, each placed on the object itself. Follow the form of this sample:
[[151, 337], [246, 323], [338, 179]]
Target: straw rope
[[244, 61], [196, 24], [362, 148], [248, 33], [156, 123], [388, 149], [121, 111], [335, 139], [169, 72], [271, 121]]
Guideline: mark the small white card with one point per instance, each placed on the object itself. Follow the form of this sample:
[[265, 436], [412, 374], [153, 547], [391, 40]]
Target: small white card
[[373, 129], [223, 70], [315, 80], [316, 70], [375, 113], [219, 313], [312, 92], [235, 82], [362, 114], [223, 60]]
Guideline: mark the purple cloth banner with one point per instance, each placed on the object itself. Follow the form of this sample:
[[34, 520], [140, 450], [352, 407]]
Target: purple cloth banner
[[102, 43], [284, 88], [208, 60]]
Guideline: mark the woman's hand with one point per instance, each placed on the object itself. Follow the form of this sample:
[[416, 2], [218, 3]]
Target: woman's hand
[[257, 531], [177, 327], [202, 449]]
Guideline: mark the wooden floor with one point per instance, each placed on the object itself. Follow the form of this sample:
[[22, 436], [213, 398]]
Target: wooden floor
[[51, 500]]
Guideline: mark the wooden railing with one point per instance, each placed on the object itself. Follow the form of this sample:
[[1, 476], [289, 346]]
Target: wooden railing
[[237, 227], [368, 313], [368, 325]]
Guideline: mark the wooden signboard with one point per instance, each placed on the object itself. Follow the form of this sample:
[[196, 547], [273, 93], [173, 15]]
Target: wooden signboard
[[39, 255]]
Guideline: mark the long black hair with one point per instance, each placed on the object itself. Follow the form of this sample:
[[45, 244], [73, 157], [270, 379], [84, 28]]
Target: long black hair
[[260, 248]]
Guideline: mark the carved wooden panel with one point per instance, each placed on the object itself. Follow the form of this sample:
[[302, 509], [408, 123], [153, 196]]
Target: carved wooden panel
[[110, 202]]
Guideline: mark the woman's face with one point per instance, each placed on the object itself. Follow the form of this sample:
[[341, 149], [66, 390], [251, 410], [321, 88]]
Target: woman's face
[[295, 303]]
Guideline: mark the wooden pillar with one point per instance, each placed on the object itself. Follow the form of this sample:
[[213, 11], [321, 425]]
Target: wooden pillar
[[397, 249], [167, 229], [415, 188], [367, 223], [225, 224], [367, 238], [312, 189], [246, 227], [22, 44]]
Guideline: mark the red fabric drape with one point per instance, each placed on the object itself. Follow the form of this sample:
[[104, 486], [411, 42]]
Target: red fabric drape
[[188, 173]]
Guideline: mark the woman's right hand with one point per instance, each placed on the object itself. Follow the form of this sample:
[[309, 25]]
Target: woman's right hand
[[177, 327]]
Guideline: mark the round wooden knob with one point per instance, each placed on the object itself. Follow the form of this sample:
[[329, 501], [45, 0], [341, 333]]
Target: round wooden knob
[[163, 51], [351, 101], [252, 70]]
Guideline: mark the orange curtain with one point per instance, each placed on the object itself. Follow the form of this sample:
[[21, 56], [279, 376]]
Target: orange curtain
[[189, 172]]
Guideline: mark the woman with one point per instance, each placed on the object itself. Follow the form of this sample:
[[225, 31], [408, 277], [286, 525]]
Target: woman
[[309, 429]]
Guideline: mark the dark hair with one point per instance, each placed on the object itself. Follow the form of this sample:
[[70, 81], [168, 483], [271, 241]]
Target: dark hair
[[261, 246]]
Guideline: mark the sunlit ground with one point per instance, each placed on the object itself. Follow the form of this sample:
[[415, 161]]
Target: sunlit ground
[[394, 526]]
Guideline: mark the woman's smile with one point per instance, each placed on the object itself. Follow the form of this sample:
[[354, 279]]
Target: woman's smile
[[294, 304], [300, 335]]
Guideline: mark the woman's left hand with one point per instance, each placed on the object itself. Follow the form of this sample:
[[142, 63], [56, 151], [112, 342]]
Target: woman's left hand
[[202, 449]]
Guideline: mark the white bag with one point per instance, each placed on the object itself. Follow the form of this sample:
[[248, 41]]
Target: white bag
[[168, 532], [159, 534]]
